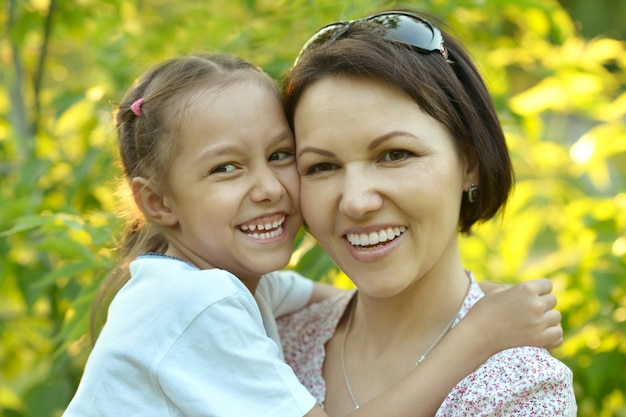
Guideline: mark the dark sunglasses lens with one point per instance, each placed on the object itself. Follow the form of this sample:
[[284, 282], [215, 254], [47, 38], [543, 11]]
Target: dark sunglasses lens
[[410, 30], [324, 35]]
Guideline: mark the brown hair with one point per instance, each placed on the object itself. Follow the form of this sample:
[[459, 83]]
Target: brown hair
[[452, 93], [147, 142]]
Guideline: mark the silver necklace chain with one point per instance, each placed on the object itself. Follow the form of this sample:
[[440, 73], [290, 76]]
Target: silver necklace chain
[[343, 350]]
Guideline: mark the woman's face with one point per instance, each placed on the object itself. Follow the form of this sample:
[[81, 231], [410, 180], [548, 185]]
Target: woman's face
[[381, 183]]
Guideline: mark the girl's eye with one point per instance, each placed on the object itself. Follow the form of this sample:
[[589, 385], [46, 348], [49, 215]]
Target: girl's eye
[[277, 156], [224, 168], [321, 167], [395, 155]]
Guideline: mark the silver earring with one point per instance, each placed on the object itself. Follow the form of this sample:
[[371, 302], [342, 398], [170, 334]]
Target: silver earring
[[472, 193]]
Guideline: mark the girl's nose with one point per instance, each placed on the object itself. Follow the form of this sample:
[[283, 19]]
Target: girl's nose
[[266, 186]]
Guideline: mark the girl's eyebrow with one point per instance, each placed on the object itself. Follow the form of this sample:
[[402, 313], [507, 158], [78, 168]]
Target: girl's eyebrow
[[313, 149], [229, 149], [213, 151]]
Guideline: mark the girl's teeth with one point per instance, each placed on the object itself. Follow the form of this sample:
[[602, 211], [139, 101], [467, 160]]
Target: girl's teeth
[[275, 229], [268, 235]]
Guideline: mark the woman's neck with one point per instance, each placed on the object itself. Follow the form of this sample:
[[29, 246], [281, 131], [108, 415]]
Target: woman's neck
[[387, 336], [418, 313]]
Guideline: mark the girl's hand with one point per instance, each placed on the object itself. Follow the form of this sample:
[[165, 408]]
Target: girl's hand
[[520, 315]]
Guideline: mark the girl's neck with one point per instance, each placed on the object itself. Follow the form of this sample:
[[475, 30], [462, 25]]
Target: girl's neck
[[250, 282]]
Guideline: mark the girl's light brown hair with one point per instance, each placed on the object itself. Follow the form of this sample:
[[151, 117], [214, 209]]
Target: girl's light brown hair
[[148, 137]]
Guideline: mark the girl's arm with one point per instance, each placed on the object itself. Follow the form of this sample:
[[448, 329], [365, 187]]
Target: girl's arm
[[322, 291], [521, 315]]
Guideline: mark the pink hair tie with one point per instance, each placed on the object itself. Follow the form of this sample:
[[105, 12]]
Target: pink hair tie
[[136, 106]]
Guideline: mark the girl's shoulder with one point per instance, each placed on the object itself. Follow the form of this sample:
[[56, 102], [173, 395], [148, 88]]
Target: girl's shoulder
[[161, 278]]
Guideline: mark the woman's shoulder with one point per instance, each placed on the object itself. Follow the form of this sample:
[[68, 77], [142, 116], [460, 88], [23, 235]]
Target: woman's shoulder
[[304, 335], [313, 325], [318, 318], [515, 382], [526, 366]]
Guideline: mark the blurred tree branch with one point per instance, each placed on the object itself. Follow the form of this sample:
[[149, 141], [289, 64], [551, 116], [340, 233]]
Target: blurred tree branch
[[19, 113], [41, 63], [25, 127]]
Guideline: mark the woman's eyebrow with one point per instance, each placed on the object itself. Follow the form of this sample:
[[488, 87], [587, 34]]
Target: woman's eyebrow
[[388, 136]]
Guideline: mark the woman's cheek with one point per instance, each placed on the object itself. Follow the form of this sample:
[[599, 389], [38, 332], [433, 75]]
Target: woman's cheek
[[312, 203]]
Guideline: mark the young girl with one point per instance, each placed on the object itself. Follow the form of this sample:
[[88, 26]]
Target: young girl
[[210, 161]]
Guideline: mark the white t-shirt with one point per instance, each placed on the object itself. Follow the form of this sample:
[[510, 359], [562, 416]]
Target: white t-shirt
[[180, 341], [280, 293]]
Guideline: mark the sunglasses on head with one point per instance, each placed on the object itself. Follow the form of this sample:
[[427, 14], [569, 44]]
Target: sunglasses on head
[[402, 27]]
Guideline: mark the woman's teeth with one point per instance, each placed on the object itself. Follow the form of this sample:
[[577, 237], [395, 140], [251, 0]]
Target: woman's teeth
[[374, 238]]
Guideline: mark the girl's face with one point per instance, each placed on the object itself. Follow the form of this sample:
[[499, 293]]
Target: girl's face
[[381, 183], [233, 184]]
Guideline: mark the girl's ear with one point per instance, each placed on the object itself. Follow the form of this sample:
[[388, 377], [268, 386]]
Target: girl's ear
[[149, 198]]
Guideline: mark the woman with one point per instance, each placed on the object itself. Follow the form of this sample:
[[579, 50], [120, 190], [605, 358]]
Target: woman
[[399, 149]]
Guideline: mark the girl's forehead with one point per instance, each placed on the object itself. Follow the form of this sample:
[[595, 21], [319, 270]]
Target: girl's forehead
[[239, 113]]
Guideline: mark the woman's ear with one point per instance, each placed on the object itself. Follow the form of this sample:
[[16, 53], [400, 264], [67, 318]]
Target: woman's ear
[[149, 198], [472, 169]]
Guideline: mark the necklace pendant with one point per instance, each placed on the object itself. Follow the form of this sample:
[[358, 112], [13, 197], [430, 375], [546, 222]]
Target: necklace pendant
[[421, 359]]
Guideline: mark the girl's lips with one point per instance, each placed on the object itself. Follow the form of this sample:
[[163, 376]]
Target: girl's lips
[[374, 238]]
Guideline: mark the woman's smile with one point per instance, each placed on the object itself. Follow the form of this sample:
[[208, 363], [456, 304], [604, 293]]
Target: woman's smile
[[381, 182], [373, 239]]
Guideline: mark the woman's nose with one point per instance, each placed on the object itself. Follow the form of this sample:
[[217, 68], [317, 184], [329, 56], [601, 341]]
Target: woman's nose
[[359, 195]]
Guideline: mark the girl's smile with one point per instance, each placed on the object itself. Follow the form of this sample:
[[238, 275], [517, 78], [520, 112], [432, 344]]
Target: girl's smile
[[233, 185], [265, 228]]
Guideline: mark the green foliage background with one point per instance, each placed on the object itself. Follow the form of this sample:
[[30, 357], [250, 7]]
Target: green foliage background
[[64, 64]]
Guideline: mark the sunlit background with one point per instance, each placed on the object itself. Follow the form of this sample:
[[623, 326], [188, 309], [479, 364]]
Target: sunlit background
[[557, 75]]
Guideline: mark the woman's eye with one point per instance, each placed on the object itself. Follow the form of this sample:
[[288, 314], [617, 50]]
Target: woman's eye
[[277, 156], [224, 168], [321, 167], [396, 155]]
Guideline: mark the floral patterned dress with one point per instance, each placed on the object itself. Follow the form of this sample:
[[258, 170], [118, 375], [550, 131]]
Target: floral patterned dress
[[525, 381]]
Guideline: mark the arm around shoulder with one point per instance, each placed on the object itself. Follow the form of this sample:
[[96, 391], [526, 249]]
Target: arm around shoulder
[[322, 291]]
